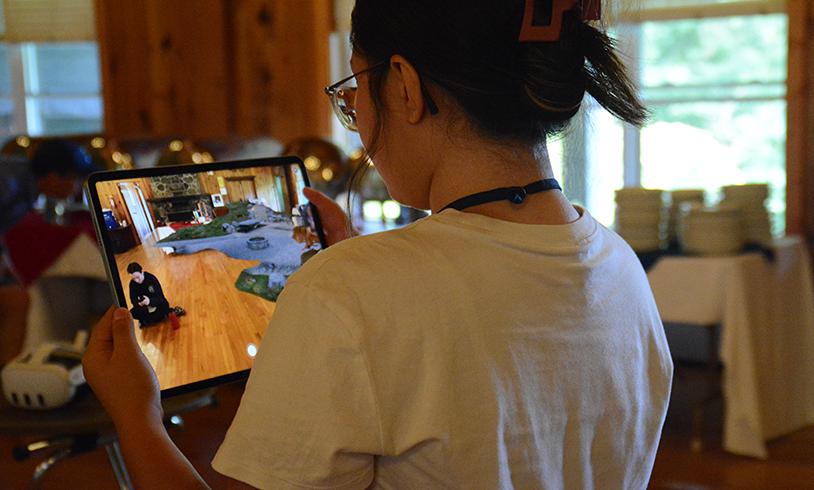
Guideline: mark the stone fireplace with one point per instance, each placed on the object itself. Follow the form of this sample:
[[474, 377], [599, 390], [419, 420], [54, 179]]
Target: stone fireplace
[[176, 197], [180, 208], [175, 185]]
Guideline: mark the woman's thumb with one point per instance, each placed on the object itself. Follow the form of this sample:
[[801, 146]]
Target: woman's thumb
[[122, 328], [319, 199]]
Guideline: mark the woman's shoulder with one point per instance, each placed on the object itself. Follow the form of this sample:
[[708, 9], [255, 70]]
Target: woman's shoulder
[[367, 254]]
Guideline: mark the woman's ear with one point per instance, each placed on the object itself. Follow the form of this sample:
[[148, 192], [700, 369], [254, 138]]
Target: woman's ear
[[408, 88]]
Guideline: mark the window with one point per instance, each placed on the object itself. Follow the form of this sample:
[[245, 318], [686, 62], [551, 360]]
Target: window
[[340, 53], [6, 92], [713, 73], [716, 88], [685, 3], [49, 89], [718, 103]]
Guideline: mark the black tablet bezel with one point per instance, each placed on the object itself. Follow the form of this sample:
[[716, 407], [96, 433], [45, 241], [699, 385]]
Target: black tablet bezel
[[107, 249]]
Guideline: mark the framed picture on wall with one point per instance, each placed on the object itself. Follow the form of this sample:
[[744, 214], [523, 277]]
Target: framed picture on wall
[[217, 200]]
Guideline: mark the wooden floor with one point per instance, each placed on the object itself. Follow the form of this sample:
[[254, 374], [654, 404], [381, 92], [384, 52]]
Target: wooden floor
[[791, 458], [790, 466], [221, 321]]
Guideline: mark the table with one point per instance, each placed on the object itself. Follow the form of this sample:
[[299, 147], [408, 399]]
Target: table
[[122, 239], [766, 313]]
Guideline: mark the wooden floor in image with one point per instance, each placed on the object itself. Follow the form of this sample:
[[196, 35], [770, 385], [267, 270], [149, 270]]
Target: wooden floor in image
[[221, 321]]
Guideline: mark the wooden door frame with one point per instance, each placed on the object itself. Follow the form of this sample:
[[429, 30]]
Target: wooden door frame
[[800, 122]]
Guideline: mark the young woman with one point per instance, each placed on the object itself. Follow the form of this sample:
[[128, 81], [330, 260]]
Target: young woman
[[506, 341]]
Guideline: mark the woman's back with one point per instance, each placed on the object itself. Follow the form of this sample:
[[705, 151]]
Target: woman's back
[[468, 350], [474, 353]]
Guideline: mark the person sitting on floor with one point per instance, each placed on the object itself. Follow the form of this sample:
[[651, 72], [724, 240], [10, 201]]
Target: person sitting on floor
[[150, 306]]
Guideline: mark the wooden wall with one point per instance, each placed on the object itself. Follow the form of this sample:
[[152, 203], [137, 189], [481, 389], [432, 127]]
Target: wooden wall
[[800, 142], [263, 181], [215, 68], [111, 198]]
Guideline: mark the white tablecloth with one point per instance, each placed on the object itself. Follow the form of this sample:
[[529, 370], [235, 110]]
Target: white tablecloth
[[66, 292], [766, 313]]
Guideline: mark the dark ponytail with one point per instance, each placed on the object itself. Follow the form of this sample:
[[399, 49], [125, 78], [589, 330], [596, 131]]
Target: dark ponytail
[[510, 90], [607, 80]]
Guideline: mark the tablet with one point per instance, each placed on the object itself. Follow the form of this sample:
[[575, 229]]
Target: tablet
[[199, 255]]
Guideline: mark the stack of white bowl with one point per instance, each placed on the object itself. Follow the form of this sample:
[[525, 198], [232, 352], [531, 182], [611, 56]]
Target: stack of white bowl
[[711, 230], [678, 197], [751, 199], [640, 218]]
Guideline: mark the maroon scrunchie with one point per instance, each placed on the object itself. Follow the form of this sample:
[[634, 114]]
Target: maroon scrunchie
[[588, 9]]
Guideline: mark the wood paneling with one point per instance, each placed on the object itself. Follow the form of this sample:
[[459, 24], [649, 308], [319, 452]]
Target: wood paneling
[[123, 54], [281, 66], [241, 189], [163, 67], [111, 198], [215, 68], [800, 142], [263, 182]]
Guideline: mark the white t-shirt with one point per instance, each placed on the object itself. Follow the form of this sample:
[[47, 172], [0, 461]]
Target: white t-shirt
[[458, 352]]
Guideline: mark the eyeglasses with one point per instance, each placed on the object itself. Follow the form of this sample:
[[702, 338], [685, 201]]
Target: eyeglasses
[[343, 98]]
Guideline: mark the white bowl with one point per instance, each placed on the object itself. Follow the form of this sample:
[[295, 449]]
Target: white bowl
[[700, 228], [748, 192], [713, 219], [682, 195], [639, 232], [746, 205], [712, 245], [697, 213], [755, 214], [640, 219], [639, 196], [641, 192]]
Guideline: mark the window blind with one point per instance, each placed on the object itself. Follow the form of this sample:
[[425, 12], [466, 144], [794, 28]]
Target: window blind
[[47, 21]]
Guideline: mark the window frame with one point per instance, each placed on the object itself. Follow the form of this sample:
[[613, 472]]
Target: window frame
[[25, 91]]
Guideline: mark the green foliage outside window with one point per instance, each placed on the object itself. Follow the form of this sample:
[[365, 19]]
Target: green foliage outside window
[[716, 88]]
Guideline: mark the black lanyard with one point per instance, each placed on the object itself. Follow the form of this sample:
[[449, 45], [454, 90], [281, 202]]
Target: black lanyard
[[515, 195]]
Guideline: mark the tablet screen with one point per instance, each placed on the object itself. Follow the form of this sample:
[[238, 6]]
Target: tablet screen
[[200, 257]]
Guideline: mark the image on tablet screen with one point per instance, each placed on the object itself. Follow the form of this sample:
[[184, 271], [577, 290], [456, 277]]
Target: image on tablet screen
[[202, 258]]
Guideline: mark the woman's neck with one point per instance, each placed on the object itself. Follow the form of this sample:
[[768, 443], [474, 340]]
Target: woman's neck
[[467, 170]]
